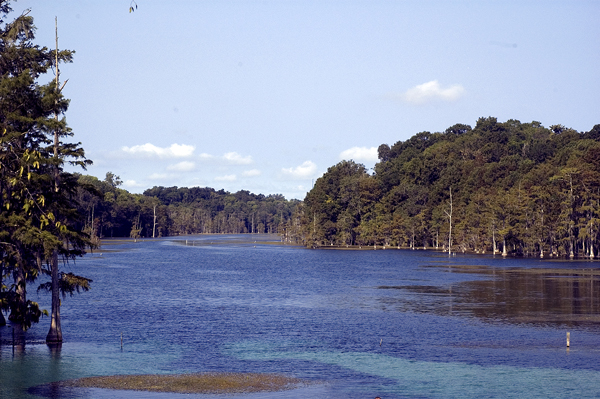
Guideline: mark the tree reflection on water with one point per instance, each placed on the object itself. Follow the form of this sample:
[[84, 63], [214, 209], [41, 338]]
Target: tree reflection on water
[[548, 297]]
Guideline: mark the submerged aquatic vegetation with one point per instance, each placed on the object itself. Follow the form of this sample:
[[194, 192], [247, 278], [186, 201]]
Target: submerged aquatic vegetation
[[212, 383]]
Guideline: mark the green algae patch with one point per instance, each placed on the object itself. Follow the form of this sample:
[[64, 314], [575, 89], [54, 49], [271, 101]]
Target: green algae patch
[[205, 383]]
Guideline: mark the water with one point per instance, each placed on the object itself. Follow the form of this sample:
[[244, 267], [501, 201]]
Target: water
[[393, 323]]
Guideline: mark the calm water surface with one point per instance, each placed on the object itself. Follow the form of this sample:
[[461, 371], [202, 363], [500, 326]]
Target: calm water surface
[[393, 323]]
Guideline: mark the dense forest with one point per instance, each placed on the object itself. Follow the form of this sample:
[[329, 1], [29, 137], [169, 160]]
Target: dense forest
[[512, 188], [166, 211]]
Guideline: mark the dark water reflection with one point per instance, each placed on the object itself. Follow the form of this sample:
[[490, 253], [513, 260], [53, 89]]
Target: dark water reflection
[[546, 297], [393, 323]]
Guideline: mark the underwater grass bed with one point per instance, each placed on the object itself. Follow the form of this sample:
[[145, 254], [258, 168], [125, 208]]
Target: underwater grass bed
[[206, 383]]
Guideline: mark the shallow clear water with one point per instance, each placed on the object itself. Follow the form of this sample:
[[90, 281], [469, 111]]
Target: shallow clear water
[[393, 323]]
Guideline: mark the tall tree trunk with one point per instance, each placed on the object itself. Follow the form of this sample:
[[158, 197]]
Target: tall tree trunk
[[2, 319], [154, 225], [55, 334], [19, 310], [449, 214]]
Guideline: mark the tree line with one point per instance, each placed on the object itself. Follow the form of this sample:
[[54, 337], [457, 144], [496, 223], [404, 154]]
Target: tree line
[[501, 187], [111, 211]]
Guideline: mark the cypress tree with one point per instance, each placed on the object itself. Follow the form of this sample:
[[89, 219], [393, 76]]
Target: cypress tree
[[39, 222]]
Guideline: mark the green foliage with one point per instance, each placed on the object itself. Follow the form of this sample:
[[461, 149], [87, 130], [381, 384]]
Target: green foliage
[[336, 204], [38, 213], [517, 187], [113, 212], [69, 284]]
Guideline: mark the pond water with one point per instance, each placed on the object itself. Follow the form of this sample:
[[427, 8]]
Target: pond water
[[360, 324]]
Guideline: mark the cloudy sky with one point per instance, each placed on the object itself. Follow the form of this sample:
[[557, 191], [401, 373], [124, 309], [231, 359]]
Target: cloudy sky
[[266, 95]]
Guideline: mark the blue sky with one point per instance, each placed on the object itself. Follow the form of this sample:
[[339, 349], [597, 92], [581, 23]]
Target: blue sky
[[266, 95]]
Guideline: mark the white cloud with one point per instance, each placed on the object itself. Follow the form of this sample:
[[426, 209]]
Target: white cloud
[[185, 166], [132, 184], [226, 178], [360, 154], [206, 157], [304, 171], [229, 157], [159, 176], [174, 151], [430, 92], [251, 173], [237, 159]]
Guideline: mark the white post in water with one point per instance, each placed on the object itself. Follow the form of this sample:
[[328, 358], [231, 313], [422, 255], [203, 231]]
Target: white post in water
[[568, 339]]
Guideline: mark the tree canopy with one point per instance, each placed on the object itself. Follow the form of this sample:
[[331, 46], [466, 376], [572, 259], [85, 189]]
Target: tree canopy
[[166, 211], [38, 212], [517, 188]]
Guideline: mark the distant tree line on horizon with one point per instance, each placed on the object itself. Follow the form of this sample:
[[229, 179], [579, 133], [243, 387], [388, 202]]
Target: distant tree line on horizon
[[168, 211], [512, 188]]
